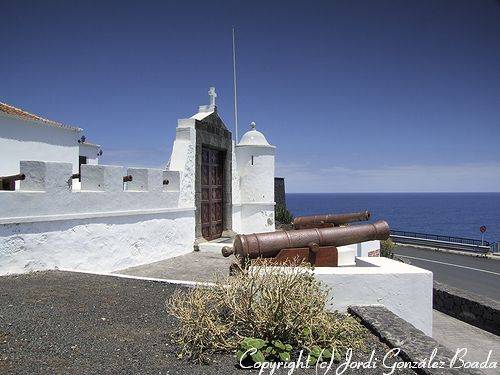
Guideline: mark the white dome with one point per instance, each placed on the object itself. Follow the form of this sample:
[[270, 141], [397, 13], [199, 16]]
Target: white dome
[[253, 138]]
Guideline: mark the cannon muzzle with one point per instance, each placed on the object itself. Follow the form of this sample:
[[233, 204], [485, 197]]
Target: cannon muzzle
[[227, 251], [325, 221]]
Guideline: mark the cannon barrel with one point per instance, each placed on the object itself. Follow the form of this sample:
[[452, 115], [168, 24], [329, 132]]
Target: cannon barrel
[[322, 221], [268, 245], [15, 177], [8, 182]]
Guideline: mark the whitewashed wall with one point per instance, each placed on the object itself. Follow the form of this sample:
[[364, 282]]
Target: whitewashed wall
[[257, 218], [236, 193], [90, 152], [257, 179], [105, 226], [403, 289], [30, 140], [183, 159], [98, 244], [254, 212]]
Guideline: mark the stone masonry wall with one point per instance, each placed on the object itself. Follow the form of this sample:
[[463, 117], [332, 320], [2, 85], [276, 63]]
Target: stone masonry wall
[[279, 192], [471, 308]]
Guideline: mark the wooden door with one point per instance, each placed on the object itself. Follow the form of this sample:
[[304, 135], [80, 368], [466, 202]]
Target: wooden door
[[211, 193]]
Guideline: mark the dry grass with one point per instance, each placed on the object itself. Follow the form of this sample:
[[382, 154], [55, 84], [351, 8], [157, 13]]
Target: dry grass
[[267, 302]]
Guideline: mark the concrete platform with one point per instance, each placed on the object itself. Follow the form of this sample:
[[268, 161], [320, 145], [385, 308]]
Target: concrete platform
[[196, 266]]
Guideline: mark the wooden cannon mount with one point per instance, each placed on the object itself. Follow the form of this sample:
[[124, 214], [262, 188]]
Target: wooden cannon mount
[[317, 246]]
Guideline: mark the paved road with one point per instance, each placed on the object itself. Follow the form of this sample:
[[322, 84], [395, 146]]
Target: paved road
[[475, 274]]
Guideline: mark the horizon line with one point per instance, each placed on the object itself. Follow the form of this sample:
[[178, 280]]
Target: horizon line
[[399, 192]]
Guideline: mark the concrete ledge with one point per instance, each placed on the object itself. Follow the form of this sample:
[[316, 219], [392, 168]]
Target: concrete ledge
[[471, 308], [403, 289], [414, 345]]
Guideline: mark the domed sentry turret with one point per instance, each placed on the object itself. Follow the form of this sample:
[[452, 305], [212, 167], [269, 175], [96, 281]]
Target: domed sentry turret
[[253, 137], [255, 160]]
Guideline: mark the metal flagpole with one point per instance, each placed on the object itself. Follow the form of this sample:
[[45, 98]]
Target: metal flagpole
[[235, 93]]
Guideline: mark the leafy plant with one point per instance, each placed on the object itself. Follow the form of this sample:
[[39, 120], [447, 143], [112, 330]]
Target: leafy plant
[[322, 354], [282, 215], [386, 248], [278, 350], [260, 350], [252, 347], [316, 353], [279, 306]]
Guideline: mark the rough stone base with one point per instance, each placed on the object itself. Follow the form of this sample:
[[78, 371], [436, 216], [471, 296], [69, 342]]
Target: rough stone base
[[471, 308], [415, 346]]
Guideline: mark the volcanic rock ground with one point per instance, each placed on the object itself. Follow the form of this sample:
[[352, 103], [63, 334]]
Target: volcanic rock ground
[[75, 323]]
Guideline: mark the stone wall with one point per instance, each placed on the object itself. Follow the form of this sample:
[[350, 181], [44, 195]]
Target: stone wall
[[279, 192], [471, 308]]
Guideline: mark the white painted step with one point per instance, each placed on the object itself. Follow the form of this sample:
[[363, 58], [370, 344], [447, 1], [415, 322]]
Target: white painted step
[[216, 246]]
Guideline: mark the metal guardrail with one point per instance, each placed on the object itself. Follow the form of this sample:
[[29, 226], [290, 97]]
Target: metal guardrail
[[438, 237], [440, 241], [495, 247]]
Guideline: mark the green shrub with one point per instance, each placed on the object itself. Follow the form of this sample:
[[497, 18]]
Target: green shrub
[[281, 308], [282, 215], [386, 248]]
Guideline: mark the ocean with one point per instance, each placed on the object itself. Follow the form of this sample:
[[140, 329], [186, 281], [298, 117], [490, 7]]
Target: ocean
[[451, 214]]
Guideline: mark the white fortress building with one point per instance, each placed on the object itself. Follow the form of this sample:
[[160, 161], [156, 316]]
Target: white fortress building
[[70, 212], [64, 210]]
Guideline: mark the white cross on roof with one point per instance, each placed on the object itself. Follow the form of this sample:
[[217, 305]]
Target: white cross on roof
[[212, 94]]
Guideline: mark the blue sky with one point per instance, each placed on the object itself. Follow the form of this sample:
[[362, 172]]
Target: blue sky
[[356, 95]]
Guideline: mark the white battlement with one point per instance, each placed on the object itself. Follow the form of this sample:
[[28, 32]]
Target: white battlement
[[102, 178], [48, 190], [171, 180], [101, 224], [45, 176]]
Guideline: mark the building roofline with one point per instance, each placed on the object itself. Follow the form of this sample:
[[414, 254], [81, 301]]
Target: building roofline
[[90, 144], [12, 111]]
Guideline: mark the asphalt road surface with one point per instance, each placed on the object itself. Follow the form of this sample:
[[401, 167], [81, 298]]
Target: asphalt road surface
[[474, 274]]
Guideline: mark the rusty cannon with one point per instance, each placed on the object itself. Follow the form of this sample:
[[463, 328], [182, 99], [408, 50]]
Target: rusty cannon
[[331, 220], [8, 182], [317, 246]]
